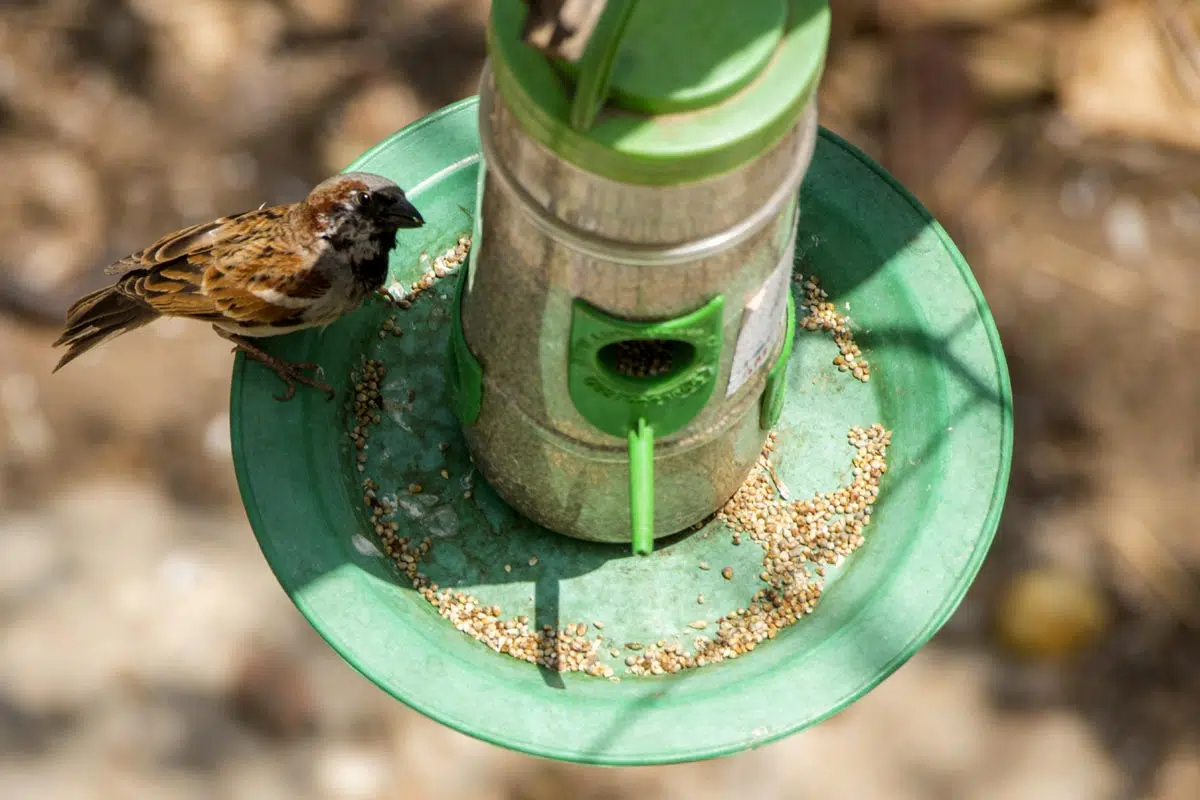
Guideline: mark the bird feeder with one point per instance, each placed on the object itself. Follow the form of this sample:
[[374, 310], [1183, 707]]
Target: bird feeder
[[558, 419], [626, 303]]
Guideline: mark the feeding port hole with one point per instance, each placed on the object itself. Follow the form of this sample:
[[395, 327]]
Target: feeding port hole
[[647, 358]]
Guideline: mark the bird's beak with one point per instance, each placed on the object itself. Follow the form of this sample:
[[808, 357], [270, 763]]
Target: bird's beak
[[405, 214]]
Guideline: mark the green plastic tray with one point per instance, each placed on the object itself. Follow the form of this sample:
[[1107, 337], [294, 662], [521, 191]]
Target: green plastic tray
[[938, 381]]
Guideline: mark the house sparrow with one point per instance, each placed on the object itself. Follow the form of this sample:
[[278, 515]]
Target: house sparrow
[[260, 273]]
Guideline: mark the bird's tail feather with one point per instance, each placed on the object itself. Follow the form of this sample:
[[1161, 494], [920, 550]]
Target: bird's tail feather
[[100, 316]]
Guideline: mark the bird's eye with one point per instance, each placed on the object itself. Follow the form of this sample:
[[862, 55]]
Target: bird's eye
[[364, 199]]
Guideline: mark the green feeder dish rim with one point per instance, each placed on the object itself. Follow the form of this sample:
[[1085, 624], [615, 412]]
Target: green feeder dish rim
[[938, 379]]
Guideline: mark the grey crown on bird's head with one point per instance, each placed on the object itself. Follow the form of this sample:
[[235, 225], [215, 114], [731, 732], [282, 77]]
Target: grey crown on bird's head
[[380, 197]]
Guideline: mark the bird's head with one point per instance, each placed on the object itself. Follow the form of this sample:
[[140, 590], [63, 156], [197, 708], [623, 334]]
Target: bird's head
[[358, 205]]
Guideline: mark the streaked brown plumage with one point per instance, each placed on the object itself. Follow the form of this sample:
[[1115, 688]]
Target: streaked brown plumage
[[255, 274]]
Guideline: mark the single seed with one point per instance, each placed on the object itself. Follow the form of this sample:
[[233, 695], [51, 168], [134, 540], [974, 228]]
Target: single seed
[[533, 561], [727, 573], [704, 565]]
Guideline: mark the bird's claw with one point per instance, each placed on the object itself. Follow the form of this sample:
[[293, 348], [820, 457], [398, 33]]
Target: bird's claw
[[290, 373]]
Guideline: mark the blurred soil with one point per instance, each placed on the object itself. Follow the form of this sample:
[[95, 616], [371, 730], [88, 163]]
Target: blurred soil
[[145, 648]]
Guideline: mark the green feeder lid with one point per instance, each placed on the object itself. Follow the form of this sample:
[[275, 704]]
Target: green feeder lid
[[667, 91], [938, 381], [683, 56]]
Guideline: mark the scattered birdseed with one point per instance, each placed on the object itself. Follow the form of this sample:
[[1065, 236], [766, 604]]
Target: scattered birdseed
[[823, 315], [796, 536], [821, 530], [563, 651], [414, 488], [443, 265]]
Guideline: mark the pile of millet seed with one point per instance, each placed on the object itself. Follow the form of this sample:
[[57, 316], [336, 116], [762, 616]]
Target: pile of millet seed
[[823, 315], [795, 536], [442, 266]]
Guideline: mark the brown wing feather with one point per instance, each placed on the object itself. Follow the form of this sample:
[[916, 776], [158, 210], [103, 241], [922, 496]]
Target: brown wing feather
[[212, 272], [194, 240], [309, 284]]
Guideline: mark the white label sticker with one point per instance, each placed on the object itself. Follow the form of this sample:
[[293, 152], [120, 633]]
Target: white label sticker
[[762, 321]]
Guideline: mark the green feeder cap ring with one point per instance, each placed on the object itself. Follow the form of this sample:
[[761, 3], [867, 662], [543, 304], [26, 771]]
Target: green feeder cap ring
[[938, 381], [685, 55], [667, 91]]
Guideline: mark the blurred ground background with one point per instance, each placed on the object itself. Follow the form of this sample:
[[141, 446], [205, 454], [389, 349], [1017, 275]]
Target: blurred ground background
[[145, 649]]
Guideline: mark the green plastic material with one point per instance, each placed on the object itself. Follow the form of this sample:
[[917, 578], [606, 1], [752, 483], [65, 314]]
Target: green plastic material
[[464, 373], [615, 402], [640, 408], [773, 393], [641, 487], [592, 82], [938, 380], [633, 147], [677, 55]]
